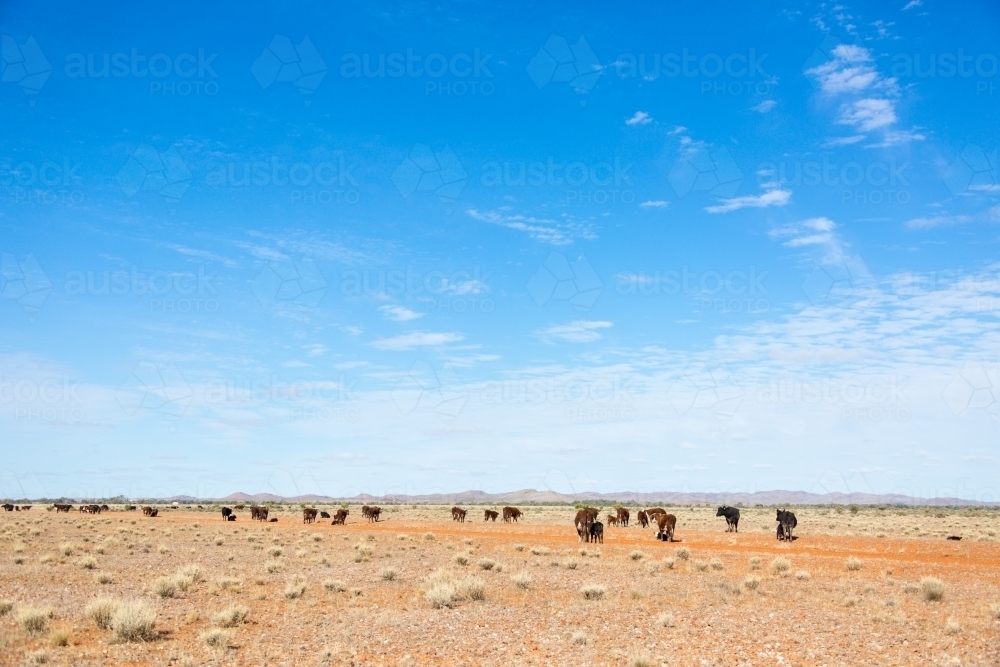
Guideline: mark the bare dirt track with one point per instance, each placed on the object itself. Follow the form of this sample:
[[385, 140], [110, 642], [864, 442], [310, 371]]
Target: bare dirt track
[[419, 589]]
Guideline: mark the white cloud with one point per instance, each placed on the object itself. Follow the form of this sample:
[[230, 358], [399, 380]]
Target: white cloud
[[777, 197], [912, 3], [868, 114], [399, 313], [295, 363], [834, 142], [764, 106], [580, 331], [814, 231], [639, 118], [416, 339], [544, 230], [659, 203], [990, 215], [316, 349]]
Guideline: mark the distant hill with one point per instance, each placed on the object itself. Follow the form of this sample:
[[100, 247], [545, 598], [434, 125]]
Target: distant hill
[[777, 497]]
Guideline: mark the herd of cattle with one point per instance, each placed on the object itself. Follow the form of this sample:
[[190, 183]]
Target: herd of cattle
[[588, 526]]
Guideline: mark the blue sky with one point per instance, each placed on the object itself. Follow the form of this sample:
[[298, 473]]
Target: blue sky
[[432, 248]]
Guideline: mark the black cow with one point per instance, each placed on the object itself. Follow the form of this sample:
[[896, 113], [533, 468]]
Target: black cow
[[597, 532], [8, 507], [324, 515], [231, 517], [732, 518], [786, 522], [226, 512]]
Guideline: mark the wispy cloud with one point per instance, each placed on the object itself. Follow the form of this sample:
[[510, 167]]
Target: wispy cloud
[[775, 197], [400, 313], [658, 203], [764, 106], [580, 331], [814, 231], [912, 3], [545, 230], [991, 215], [416, 339], [639, 118], [316, 349]]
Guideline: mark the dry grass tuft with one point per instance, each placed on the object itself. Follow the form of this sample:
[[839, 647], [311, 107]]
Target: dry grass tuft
[[522, 580], [388, 574], [217, 639], [852, 564], [636, 555], [103, 578], [641, 660], [665, 620], [133, 621], [717, 564], [59, 637], [780, 565], [802, 575], [165, 587], [751, 582], [34, 619], [88, 563], [296, 587], [952, 627], [101, 611], [578, 639], [232, 616], [592, 592], [334, 585], [933, 589], [682, 553], [486, 564]]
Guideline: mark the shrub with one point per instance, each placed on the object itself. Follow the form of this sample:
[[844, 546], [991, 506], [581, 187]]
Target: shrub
[[592, 592], [952, 627], [578, 639], [34, 619], [669, 563], [852, 564], [641, 660], [701, 565], [780, 565], [274, 552], [751, 582], [518, 547], [165, 587], [103, 578], [522, 580], [539, 551], [755, 563], [665, 620], [682, 553], [296, 587], [571, 564], [334, 585], [473, 588], [232, 616], [66, 549], [192, 573], [388, 574], [225, 583], [272, 566], [486, 564], [217, 639], [441, 595], [933, 589], [716, 564], [101, 611], [59, 637], [994, 610], [88, 563], [5, 607], [636, 555], [428, 537], [462, 559], [134, 621], [802, 575], [851, 601]]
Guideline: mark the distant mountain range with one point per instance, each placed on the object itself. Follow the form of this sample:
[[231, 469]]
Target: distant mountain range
[[532, 496]]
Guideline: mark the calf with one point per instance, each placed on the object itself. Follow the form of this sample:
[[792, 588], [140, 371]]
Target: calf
[[732, 518], [458, 514], [231, 517], [597, 532], [612, 519], [226, 512], [324, 515], [786, 523], [309, 515], [490, 515], [339, 517], [25, 507], [665, 525], [642, 518]]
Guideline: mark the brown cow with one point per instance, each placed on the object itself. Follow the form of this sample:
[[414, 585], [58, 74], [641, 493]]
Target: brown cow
[[373, 513], [623, 516], [309, 515], [585, 518], [458, 514], [61, 507], [25, 507], [612, 520], [365, 511], [511, 514], [258, 513], [490, 515], [642, 518], [238, 507], [665, 525], [339, 517]]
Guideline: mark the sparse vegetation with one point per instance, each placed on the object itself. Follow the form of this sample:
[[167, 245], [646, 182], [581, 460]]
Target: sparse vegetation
[[296, 587], [751, 582], [780, 565], [592, 591], [133, 621], [34, 619], [334, 585], [932, 589], [522, 580], [852, 564], [231, 616], [101, 611]]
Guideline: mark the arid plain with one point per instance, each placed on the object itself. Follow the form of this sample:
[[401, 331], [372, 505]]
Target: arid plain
[[882, 586]]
